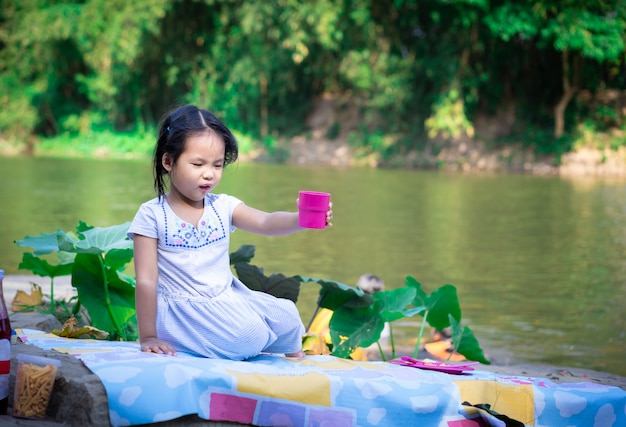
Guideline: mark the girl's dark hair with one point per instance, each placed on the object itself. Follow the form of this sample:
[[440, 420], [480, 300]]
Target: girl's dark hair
[[176, 127]]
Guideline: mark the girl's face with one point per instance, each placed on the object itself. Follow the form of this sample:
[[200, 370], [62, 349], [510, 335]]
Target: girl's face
[[198, 169]]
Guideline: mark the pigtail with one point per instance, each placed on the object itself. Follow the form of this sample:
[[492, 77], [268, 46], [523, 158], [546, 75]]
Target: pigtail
[[159, 150]]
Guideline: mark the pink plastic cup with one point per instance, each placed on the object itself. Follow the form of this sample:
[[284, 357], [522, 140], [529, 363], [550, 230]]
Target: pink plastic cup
[[312, 208]]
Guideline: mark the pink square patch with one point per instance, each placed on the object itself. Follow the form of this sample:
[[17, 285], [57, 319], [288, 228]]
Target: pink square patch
[[224, 407], [478, 422]]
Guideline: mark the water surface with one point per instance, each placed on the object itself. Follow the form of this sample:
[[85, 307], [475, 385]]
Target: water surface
[[538, 262]]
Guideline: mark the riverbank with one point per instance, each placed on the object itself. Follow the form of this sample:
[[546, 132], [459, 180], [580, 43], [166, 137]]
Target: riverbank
[[463, 155]]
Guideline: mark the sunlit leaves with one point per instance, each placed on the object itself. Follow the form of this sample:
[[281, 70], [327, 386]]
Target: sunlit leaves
[[420, 299], [96, 66], [513, 20], [596, 31], [43, 243], [381, 78], [96, 258], [108, 297], [357, 322], [43, 268], [396, 304], [97, 240], [449, 119], [355, 327], [597, 36]]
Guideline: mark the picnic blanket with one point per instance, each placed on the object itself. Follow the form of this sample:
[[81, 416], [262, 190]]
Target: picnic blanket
[[270, 390]]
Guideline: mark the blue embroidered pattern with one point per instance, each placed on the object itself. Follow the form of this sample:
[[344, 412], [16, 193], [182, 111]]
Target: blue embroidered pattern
[[184, 235]]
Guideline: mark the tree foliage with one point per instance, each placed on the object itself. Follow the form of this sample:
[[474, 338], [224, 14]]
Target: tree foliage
[[418, 69]]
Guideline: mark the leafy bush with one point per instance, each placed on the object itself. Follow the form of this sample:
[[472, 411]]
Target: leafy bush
[[111, 144], [359, 318], [97, 257], [449, 119]]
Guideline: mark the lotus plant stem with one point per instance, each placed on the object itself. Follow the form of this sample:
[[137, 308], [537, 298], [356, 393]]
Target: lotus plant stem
[[382, 353], [393, 345], [107, 299], [419, 337], [52, 295]]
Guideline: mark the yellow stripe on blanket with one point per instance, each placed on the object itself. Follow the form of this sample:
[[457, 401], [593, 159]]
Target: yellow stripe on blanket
[[36, 334], [336, 364], [311, 388], [74, 350], [514, 401]]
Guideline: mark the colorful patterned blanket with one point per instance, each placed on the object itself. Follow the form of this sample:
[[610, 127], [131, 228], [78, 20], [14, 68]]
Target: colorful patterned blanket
[[327, 391]]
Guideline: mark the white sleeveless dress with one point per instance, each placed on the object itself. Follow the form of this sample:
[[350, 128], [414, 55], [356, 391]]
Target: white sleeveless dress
[[202, 309]]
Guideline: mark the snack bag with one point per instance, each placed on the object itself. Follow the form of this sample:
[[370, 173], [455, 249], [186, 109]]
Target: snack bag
[[33, 385]]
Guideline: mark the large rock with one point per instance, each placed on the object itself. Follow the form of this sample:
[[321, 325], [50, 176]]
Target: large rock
[[33, 320], [78, 398]]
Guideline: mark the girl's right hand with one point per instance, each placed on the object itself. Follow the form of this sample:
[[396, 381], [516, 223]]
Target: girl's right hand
[[329, 215], [155, 345]]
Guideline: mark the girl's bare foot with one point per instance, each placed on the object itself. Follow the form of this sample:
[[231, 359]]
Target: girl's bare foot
[[298, 354]]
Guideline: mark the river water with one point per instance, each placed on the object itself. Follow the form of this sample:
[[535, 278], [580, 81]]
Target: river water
[[539, 263]]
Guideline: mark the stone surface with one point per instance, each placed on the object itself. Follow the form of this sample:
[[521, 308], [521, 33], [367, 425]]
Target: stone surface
[[78, 397], [30, 320]]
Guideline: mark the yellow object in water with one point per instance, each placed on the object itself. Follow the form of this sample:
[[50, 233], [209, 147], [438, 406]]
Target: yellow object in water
[[320, 325], [320, 328], [314, 344]]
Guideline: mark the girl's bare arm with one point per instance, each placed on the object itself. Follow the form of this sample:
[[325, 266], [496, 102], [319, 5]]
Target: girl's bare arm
[[268, 223], [146, 271]]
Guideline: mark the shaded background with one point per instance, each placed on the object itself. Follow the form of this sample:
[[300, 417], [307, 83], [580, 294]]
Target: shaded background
[[388, 76]]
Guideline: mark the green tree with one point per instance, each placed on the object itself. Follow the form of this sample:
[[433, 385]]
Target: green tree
[[71, 59], [411, 71], [580, 30], [33, 38]]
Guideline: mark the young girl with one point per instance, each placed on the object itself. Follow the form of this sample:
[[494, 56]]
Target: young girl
[[187, 298]]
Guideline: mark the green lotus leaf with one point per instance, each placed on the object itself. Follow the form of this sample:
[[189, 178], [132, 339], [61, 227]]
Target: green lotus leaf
[[245, 253], [333, 295], [43, 268], [393, 303], [465, 342], [44, 243], [111, 309], [443, 302], [276, 284], [97, 240], [355, 327]]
